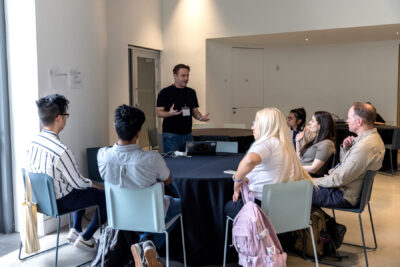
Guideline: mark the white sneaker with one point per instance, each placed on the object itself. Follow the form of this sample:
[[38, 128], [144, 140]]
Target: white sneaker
[[73, 234], [88, 245]]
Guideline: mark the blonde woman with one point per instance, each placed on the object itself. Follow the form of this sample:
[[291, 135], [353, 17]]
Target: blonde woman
[[271, 159]]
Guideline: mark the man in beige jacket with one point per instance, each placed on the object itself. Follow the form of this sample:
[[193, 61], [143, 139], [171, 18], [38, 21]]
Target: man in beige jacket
[[342, 187]]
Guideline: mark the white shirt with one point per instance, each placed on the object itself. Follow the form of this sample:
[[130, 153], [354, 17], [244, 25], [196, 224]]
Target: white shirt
[[48, 155], [268, 170]]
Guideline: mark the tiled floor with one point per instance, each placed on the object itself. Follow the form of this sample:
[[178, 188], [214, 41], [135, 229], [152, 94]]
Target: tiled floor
[[385, 205]]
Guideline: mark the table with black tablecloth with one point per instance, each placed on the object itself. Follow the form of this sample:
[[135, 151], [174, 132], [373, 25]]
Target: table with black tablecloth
[[204, 189]]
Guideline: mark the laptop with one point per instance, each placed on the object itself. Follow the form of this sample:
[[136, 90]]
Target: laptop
[[201, 147]]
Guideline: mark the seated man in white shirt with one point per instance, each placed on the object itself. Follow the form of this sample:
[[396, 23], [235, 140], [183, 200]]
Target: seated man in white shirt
[[73, 191], [127, 165]]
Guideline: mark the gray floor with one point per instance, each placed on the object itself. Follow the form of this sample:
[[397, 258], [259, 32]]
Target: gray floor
[[385, 205]]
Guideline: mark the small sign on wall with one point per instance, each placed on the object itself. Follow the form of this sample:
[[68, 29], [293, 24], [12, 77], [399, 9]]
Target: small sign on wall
[[75, 79], [58, 78], [63, 78]]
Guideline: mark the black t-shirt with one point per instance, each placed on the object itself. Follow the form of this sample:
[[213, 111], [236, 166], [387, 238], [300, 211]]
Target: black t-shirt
[[181, 97]]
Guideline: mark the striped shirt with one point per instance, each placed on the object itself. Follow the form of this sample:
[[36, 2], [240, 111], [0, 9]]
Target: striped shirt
[[48, 155]]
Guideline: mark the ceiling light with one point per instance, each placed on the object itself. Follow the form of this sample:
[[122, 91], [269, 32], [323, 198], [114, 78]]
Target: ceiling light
[[307, 39]]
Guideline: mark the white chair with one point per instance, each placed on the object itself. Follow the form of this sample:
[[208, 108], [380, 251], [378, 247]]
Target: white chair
[[288, 207], [235, 125], [146, 212], [203, 125], [230, 147]]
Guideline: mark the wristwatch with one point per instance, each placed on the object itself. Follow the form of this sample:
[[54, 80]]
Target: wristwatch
[[237, 181]]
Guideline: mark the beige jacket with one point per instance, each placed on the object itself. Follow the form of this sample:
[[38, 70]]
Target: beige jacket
[[365, 154]]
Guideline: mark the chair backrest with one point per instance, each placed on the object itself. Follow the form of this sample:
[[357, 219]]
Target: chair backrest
[[235, 125], [203, 125], [288, 205], [93, 168], [329, 164], [135, 210], [367, 189], [153, 138], [230, 147], [43, 193], [396, 139]]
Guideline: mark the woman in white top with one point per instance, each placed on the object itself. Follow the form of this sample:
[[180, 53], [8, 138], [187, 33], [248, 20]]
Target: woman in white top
[[271, 158]]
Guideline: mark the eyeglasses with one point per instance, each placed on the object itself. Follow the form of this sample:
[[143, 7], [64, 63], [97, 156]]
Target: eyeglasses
[[290, 118], [65, 114]]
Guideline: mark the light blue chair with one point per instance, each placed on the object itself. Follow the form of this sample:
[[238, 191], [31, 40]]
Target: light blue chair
[[364, 201], [229, 147], [45, 199], [138, 210], [288, 206]]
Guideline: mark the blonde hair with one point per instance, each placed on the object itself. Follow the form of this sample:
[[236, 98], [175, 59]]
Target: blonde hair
[[271, 123]]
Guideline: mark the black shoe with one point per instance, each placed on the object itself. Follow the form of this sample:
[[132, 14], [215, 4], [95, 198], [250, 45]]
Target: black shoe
[[338, 234]]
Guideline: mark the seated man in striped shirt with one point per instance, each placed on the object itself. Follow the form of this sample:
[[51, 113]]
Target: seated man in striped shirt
[[73, 191]]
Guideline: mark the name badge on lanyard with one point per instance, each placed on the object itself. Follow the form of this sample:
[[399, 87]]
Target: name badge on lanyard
[[185, 111]]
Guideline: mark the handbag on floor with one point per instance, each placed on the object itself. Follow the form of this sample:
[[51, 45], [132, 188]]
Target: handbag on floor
[[29, 235]]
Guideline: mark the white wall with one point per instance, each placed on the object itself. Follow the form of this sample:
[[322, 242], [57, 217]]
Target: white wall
[[187, 25], [64, 33], [318, 77], [130, 22], [71, 34]]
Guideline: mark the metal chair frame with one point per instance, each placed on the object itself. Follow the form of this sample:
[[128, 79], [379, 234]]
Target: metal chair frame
[[364, 201], [146, 204], [284, 189], [51, 211]]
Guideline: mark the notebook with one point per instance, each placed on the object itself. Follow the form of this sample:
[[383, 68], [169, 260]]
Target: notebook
[[201, 147]]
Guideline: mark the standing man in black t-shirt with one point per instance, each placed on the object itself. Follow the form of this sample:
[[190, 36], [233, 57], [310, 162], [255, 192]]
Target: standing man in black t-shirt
[[177, 104]]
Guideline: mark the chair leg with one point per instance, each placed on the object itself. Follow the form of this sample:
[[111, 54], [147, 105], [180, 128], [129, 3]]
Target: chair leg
[[373, 229], [58, 238], [98, 212], [226, 239], [166, 248], [391, 162], [363, 240], [183, 241], [313, 244]]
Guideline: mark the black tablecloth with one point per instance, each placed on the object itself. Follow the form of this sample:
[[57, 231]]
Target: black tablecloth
[[204, 189]]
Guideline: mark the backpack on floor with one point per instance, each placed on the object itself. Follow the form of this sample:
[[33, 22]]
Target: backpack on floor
[[319, 232], [254, 237]]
